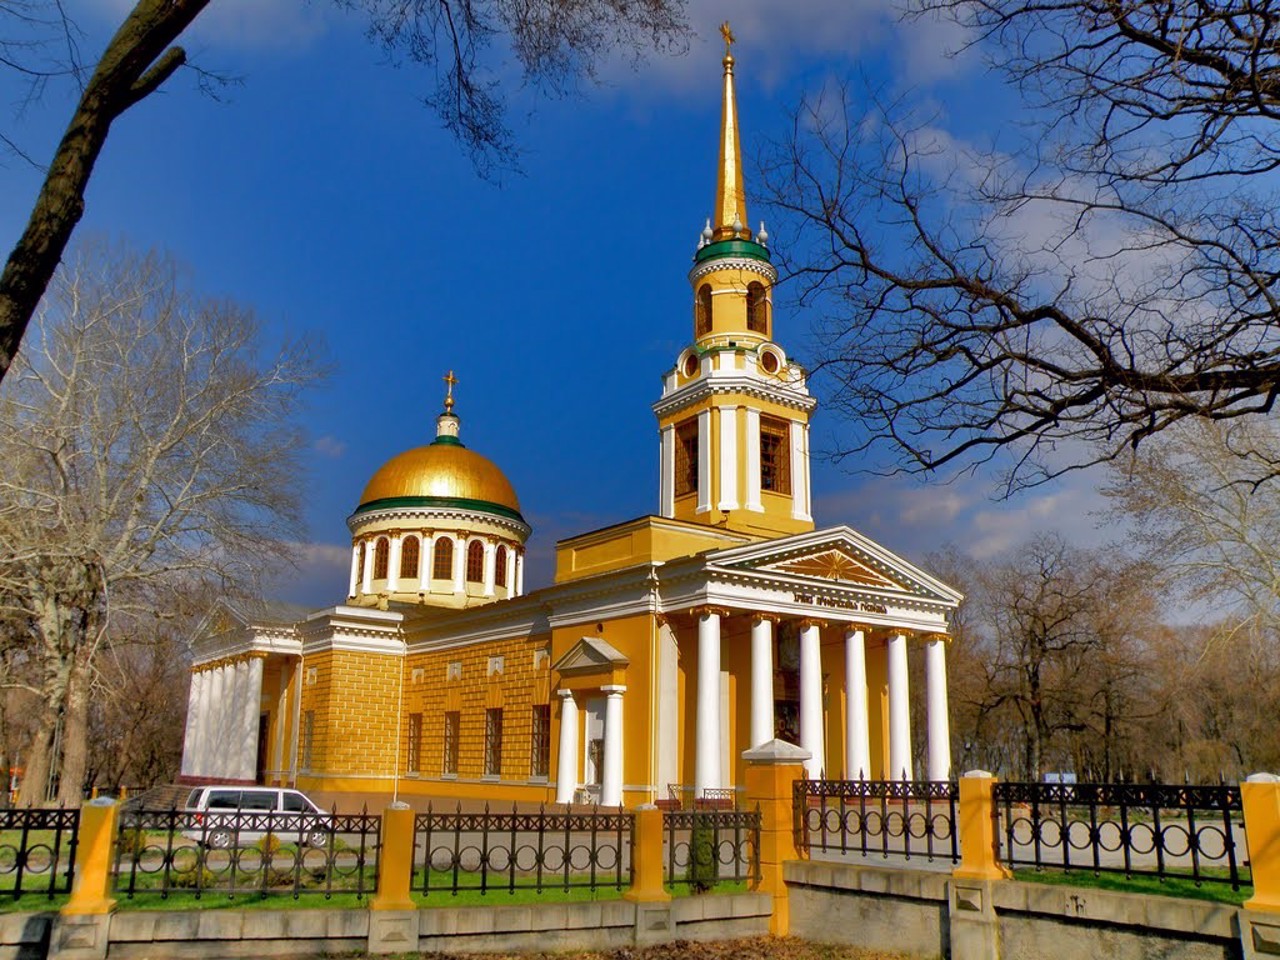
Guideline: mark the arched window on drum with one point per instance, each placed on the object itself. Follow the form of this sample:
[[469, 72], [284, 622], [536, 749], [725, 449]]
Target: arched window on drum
[[409, 558]]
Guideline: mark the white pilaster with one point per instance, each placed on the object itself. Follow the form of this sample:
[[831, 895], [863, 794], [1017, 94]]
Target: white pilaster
[[857, 738], [704, 462], [567, 759], [799, 471], [667, 481], [366, 575], [459, 565], [761, 681], [753, 461], [899, 711], [426, 557], [490, 567], [728, 473], [393, 563], [811, 737], [935, 672], [511, 572], [611, 776], [706, 767], [355, 571]]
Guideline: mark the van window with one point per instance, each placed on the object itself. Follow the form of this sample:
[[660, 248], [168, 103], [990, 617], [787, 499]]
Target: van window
[[295, 803], [223, 800], [258, 800], [193, 798]]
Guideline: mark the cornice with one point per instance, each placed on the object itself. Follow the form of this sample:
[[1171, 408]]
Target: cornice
[[705, 387], [747, 264], [360, 521]]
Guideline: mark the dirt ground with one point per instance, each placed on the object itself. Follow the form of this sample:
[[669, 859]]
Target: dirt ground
[[756, 948]]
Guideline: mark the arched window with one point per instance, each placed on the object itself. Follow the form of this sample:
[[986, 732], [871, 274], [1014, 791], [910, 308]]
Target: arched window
[[757, 310], [500, 574], [475, 562], [409, 557], [380, 554], [702, 312], [442, 566]]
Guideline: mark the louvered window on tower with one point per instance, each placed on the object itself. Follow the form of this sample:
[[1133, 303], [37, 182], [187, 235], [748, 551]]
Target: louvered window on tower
[[702, 312], [775, 460], [757, 316], [687, 458]]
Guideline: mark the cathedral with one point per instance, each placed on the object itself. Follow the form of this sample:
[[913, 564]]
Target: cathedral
[[667, 644]]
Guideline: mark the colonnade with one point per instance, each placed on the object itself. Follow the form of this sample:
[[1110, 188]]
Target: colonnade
[[361, 579], [610, 772], [224, 703]]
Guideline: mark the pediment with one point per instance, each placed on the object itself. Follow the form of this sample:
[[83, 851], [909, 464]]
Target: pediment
[[835, 557], [590, 655]]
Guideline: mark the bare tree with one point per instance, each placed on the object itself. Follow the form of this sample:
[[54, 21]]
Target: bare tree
[[554, 42], [1107, 277], [146, 450]]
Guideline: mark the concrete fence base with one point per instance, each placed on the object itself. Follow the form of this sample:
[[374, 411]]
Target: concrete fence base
[[930, 914], [214, 934]]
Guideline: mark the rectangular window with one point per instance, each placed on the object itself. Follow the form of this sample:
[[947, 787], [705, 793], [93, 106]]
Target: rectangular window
[[687, 458], [493, 742], [308, 738], [775, 455], [415, 743], [452, 723], [540, 764]]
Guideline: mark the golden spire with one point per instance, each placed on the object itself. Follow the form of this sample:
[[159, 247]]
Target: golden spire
[[449, 380], [730, 219]]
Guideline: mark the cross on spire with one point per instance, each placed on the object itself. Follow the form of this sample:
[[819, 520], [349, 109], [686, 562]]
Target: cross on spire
[[450, 380], [728, 37]]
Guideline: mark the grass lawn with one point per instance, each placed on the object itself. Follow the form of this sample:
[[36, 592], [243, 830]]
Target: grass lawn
[[1170, 887]]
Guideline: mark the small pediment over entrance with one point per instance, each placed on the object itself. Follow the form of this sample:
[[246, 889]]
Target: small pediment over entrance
[[835, 565], [590, 655]]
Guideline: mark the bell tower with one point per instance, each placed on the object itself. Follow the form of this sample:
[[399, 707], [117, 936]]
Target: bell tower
[[734, 413]]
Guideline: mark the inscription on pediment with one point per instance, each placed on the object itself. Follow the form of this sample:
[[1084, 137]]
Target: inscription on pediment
[[837, 566]]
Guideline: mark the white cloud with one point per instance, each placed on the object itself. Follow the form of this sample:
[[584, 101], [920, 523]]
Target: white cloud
[[242, 24], [330, 446]]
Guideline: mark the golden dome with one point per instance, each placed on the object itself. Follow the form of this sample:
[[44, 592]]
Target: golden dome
[[441, 474]]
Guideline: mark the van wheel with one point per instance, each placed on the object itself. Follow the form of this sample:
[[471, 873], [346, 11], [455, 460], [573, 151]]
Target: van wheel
[[219, 839], [318, 838]]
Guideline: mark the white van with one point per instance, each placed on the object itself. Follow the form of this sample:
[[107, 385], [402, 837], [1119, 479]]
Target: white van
[[226, 816]]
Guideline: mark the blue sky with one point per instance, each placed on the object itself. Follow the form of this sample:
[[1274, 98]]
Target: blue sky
[[320, 192]]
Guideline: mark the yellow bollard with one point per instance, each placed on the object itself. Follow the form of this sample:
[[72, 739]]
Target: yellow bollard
[[1260, 797], [646, 858], [90, 893], [977, 825], [395, 860]]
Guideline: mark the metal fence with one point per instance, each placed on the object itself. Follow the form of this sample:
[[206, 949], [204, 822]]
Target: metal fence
[[885, 818], [493, 852], [705, 847], [37, 851], [1158, 830], [238, 852]]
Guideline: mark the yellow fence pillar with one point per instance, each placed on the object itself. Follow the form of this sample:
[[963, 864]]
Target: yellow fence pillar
[[1260, 797], [772, 770], [395, 860], [646, 858], [91, 890], [976, 821]]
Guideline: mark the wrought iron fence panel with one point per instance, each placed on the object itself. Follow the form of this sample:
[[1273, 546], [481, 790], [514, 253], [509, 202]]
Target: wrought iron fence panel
[[1153, 829], [238, 852], [491, 852], [37, 851], [705, 847], [885, 818]]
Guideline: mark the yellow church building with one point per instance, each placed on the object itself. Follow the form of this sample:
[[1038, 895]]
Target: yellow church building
[[667, 644]]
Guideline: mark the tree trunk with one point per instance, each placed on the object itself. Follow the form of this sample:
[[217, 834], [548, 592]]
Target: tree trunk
[[134, 64], [75, 725]]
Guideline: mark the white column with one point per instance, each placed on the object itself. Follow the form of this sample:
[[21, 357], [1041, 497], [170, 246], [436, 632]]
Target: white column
[[753, 460], [520, 574], [799, 471], [811, 737], [393, 563], [249, 679], [490, 567], [857, 739], [704, 462], [366, 575], [426, 558], [667, 482], [899, 711], [935, 672], [567, 760], [611, 776], [355, 571], [706, 733], [511, 571], [761, 681], [728, 474], [213, 731], [191, 734], [459, 565]]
